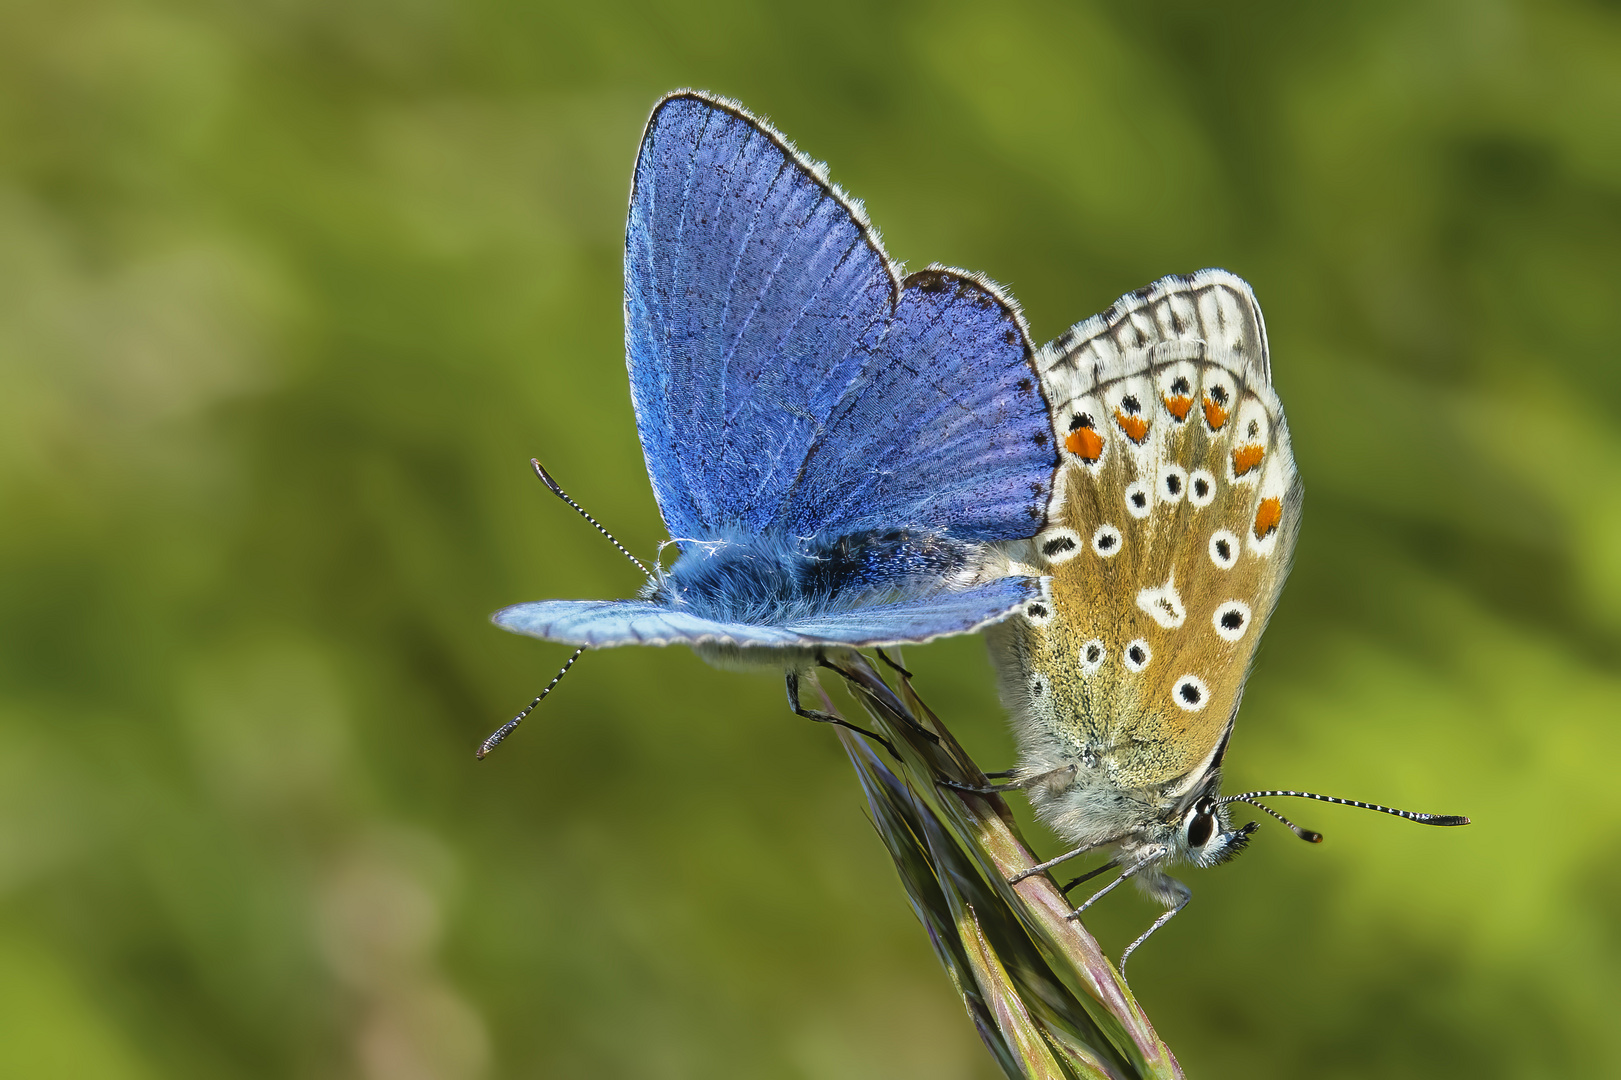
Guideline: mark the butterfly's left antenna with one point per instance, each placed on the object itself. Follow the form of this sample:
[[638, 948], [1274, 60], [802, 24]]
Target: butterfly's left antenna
[[1308, 835], [546, 478], [511, 725]]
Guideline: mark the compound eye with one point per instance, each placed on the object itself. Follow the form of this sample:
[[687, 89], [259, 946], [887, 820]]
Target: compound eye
[[1200, 828]]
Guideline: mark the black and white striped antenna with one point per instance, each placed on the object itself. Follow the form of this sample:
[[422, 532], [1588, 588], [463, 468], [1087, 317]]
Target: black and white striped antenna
[[510, 726], [1317, 837], [546, 478]]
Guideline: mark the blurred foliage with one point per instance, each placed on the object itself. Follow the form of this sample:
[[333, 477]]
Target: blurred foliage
[[291, 291]]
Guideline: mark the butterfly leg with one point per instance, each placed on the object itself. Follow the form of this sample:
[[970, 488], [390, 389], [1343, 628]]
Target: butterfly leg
[[1089, 875], [1050, 863], [1168, 890], [1015, 785], [1153, 856], [901, 713], [891, 663], [829, 718]]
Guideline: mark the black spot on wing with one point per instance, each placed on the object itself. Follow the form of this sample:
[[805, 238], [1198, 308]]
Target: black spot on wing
[[1057, 546]]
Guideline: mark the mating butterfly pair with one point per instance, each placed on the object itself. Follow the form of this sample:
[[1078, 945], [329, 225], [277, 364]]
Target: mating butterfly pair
[[846, 457]]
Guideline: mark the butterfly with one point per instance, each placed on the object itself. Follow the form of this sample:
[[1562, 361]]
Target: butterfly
[[1168, 539], [838, 451]]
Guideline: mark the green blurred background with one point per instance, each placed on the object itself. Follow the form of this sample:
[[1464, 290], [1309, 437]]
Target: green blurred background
[[290, 291]]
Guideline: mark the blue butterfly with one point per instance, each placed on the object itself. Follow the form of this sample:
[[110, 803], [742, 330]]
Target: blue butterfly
[[838, 452]]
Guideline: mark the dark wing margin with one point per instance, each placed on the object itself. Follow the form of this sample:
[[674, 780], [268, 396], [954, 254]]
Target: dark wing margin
[[1213, 307]]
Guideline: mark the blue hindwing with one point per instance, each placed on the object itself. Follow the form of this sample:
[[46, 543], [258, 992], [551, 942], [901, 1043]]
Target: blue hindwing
[[946, 429]]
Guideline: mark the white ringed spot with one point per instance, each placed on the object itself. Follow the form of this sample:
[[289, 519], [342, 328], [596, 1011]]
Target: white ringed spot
[[1224, 549], [1058, 545], [1201, 488], [1138, 502], [1231, 620], [1092, 655], [1039, 612], [1137, 655], [1173, 483], [1106, 541], [1190, 693]]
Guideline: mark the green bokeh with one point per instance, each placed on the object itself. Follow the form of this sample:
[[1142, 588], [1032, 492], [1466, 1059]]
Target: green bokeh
[[291, 291]]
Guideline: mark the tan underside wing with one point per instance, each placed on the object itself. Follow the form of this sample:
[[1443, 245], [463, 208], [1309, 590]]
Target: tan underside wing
[[1169, 535]]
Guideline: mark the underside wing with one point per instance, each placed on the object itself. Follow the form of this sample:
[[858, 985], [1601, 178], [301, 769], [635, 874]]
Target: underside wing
[[956, 611], [1170, 532], [602, 624]]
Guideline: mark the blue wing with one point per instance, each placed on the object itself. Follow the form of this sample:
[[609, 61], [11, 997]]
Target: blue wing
[[752, 296], [946, 428], [922, 619], [601, 624], [784, 379]]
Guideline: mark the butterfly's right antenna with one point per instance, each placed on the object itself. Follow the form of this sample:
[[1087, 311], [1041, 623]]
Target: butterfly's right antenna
[[511, 725], [546, 478], [1316, 837]]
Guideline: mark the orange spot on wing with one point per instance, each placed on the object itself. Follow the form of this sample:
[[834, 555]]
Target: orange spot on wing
[[1246, 458], [1085, 444], [1135, 427], [1267, 518], [1180, 405], [1214, 415]]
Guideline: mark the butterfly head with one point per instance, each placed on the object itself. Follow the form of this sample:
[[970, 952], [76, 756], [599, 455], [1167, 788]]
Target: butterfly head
[[1204, 834]]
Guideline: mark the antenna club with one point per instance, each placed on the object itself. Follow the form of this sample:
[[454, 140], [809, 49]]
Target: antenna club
[[512, 725], [545, 477]]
